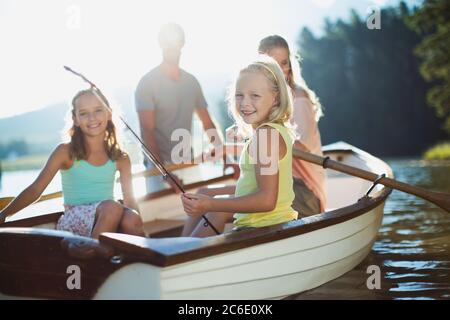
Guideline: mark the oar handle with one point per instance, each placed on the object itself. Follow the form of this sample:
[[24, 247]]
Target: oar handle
[[6, 200], [155, 172], [442, 200]]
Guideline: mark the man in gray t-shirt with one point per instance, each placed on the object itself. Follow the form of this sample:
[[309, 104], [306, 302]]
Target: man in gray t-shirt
[[166, 98]]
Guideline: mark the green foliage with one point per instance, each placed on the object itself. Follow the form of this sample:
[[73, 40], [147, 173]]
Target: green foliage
[[14, 147], [369, 84], [440, 151], [433, 21]]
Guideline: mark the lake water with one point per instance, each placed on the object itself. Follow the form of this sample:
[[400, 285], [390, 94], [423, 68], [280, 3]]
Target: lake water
[[13, 182], [413, 244]]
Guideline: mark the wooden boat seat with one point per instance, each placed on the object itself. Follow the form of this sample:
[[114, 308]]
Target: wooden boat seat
[[160, 228]]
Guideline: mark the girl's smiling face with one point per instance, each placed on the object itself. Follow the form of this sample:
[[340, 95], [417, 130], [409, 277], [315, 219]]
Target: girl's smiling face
[[90, 115], [254, 97]]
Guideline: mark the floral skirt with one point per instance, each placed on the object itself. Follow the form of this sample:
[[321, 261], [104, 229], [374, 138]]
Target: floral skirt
[[78, 219]]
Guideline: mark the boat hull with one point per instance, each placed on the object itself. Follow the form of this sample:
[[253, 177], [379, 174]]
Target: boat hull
[[266, 271], [263, 263]]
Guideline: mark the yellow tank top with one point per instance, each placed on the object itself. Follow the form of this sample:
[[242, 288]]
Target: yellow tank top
[[247, 184]]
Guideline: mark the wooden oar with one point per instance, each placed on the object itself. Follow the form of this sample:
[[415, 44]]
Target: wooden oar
[[169, 167], [6, 200], [155, 172], [146, 173], [442, 200]]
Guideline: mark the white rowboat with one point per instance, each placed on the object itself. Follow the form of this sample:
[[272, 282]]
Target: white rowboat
[[264, 263]]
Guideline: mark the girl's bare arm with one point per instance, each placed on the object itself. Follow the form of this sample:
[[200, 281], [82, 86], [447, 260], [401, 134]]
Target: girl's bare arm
[[59, 159], [264, 199], [126, 182]]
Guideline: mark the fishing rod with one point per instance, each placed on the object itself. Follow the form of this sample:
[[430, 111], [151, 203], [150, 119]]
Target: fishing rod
[[166, 174]]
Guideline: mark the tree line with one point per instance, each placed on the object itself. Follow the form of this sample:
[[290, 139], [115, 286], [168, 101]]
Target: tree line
[[14, 148], [370, 81]]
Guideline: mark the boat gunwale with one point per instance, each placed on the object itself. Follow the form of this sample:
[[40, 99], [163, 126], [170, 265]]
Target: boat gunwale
[[200, 248], [54, 216]]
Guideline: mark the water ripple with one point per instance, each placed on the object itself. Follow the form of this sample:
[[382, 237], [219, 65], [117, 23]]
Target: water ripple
[[413, 244]]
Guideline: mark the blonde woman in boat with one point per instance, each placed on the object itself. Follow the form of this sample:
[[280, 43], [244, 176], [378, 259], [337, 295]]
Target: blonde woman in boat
[[88, 164], [309, 179], [261, 105]]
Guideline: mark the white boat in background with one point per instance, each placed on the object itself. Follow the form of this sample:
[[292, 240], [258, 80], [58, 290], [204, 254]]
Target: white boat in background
[[265, 263]]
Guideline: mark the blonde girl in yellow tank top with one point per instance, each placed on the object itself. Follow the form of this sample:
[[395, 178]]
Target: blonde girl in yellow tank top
[[261, 105]]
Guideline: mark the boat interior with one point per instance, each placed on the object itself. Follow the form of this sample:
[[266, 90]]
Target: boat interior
[[163, 214]]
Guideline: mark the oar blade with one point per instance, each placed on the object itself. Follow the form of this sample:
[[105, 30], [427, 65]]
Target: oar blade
[[5, 201]]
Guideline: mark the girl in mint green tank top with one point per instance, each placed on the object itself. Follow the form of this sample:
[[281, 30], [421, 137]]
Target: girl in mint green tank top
[[88, 165], [261, 105]]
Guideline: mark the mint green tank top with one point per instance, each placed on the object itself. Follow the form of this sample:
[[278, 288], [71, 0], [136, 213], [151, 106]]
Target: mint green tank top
[[85, 183]]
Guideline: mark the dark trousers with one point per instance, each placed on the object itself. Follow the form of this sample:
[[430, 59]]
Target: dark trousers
[[305, 203]]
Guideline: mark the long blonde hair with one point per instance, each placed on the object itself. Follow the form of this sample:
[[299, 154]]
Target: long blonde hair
[[77, 147], [282, 113], [294, 78]]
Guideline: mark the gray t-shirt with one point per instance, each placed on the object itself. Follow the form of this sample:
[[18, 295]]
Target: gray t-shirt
[[174, 102]]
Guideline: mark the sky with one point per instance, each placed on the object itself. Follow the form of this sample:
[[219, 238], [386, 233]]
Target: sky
[[114, 43]]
